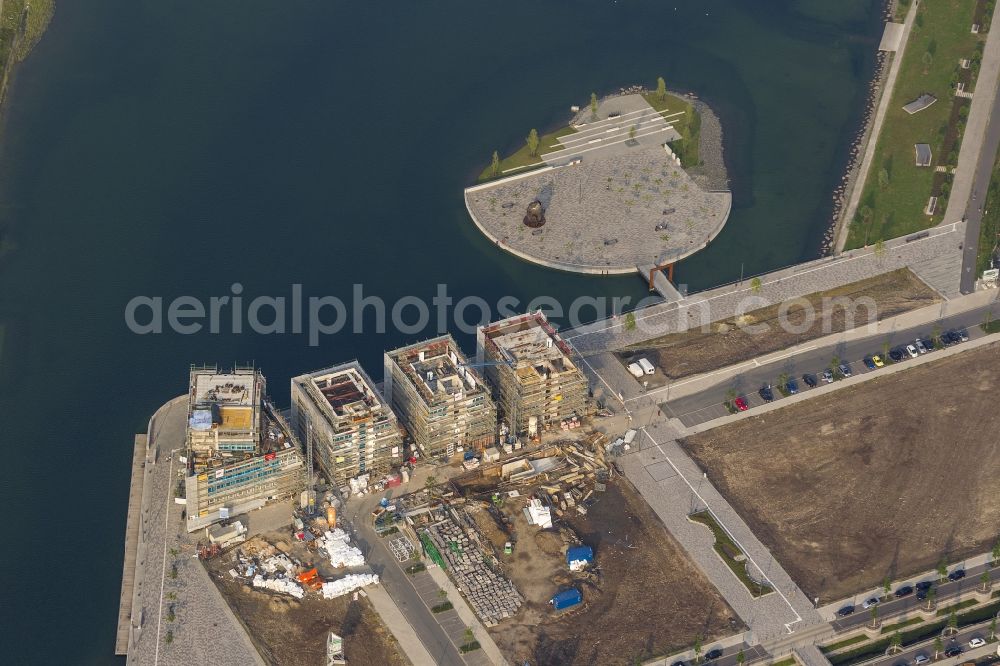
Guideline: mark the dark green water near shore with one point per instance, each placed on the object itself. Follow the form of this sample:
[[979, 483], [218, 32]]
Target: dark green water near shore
[[170, 149]]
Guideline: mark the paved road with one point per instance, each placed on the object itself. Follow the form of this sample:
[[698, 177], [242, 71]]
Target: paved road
[[400, 588], [945, 591], [980, 185], [927, 647], [708, 404]]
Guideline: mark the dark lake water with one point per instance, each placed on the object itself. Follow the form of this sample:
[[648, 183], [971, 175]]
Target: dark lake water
[[175, 148]]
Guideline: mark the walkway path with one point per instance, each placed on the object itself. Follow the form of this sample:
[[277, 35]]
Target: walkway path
[[205, 630], [674, 486], [975, 160], [861, 176]]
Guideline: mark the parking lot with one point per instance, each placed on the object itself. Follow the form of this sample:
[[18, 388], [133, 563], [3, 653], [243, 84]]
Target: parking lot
[[855, 356]]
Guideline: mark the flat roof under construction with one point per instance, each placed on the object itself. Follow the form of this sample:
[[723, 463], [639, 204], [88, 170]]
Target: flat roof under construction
[[528, 340], [438, 369], [347, 389]]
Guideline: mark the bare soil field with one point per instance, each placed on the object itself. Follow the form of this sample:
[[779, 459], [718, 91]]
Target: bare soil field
[[292, 631], [729, 341], [647, 598], [885, 478]]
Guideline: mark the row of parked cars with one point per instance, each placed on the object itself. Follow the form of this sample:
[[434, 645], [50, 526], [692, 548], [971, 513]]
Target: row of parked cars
[[920, 589], [872, 362]]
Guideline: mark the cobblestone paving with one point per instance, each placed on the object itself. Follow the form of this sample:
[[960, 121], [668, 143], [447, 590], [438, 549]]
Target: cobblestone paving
[[936, 259], [662, 474], [611, 215], [204, 629], [626, 204]]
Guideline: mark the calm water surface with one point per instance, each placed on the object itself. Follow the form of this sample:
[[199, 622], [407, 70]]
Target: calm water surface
[[174, 148]]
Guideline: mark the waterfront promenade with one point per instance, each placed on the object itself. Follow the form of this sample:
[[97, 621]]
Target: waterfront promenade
[[204, 629]]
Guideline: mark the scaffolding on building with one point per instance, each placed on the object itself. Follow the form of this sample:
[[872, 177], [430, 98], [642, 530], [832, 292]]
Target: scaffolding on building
[[538, 383], [443, 402]]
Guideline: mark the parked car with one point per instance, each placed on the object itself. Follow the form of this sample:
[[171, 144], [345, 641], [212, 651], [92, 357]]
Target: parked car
[[635, 369], [957, 574], [912, 351], [920, 659], [766, 393], [878, 361], [929, 344], [924, 585], [904, 591], [953, 651], [711, 655], [646, 366], [869, 363], [845, 369], [792, 387], [919, 344], [976, 642], [679, 663], [810, 380], [827, 376], [873, 601], [950, 337], [845, 611], [963, 335], [741, 404], [896, 355]]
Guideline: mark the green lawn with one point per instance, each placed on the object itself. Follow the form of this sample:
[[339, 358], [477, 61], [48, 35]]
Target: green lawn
[[687, 125], [729, 551], [523, 158], [847, 642], [897, 208], [989, 233], [889, 628]]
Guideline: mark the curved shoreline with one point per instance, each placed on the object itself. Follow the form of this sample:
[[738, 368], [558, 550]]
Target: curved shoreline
[[709, 176]]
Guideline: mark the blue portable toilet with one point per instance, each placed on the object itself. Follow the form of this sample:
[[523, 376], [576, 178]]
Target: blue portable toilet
[[566, 599], [579, 557]]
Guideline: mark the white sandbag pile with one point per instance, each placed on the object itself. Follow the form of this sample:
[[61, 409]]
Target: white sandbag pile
[[280, 585], [340, 552], [347, 584]]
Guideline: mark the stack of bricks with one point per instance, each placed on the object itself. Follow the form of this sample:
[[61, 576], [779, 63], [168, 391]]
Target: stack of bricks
[[492, 597]]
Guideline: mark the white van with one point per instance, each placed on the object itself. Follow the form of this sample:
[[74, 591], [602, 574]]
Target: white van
[[646, 366], [635, 369]]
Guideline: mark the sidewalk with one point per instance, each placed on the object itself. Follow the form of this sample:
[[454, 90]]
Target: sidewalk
[[829, 611], [407, 638], [698, 383], [975, 127], [488, 647], [849, 381], [674, 486], [858, 185]]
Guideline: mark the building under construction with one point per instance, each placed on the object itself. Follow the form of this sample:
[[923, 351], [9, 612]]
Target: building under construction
[[240, 454], [538, 386], [443, 403], [351, 427]]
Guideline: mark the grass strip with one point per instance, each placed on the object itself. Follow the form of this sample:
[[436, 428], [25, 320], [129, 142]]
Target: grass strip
[[729, 552]]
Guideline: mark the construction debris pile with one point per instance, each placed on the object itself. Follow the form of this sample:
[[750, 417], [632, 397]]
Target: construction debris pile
[[491, 595], [271, 567], [337, 545], [347, 584]]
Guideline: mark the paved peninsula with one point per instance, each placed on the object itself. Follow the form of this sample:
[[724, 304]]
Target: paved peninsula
[[611, 195]]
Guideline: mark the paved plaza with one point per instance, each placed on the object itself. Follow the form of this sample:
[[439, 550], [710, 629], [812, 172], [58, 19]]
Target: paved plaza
[[611, 202]]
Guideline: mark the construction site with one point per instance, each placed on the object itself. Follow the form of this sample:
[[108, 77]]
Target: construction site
[[347, 424], [552, 545], [240, 453], [443, 402], [538, 385]]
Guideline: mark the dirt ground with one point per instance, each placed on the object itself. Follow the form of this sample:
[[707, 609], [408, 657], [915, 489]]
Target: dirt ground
[[646, 599], [728, 342], [292, 631], [881, 479]]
